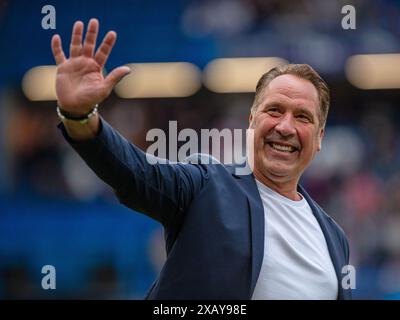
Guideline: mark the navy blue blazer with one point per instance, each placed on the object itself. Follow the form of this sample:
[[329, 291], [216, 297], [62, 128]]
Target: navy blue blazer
[[213, 219]]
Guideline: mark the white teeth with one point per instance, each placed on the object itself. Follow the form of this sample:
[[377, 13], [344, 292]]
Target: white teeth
[[282, 148]]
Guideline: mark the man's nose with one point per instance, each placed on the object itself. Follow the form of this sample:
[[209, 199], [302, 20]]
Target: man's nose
[[286, 125]]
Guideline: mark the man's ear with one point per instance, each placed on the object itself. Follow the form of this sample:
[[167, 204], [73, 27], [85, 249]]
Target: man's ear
[[320, 137], [250, 120]]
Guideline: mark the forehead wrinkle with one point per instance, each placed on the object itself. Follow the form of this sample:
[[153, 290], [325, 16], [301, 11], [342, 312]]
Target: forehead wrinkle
[[292, 87], [297, 103]]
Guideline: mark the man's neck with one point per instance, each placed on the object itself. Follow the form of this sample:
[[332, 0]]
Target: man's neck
[[287, 189]]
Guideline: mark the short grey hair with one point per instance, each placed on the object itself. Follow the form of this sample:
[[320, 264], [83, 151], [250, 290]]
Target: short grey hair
[[303, 71]]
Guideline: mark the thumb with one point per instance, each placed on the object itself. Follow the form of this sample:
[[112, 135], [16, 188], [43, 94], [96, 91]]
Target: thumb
[[116, 75]]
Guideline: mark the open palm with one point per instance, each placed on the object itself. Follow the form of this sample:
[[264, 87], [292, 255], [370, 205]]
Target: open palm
[[80, 83]]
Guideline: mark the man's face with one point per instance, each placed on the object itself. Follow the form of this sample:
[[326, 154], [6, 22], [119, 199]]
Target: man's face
[[287, 133]]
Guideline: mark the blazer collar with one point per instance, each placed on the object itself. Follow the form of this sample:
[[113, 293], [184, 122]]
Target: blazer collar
[[257, 221], [258, 226], [334, 248]]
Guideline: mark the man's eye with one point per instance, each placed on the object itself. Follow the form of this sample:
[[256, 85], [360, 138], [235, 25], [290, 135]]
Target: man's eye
[[273, 112], [304, 118]]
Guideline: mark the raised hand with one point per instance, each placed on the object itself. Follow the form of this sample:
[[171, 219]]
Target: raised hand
[[80, 83]]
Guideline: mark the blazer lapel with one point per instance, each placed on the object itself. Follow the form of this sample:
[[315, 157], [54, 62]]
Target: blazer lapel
[[331, 240], [258, 225], [257, 222]]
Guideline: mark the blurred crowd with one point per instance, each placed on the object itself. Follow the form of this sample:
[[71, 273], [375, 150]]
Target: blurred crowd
[[355, 178]]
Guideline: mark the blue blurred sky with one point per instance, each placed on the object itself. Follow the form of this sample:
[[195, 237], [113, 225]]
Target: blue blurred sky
[[199, 31], [147, 31]]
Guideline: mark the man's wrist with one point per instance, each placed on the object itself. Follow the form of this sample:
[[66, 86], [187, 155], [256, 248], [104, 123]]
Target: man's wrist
[[82, 119], [80, 127], [82, 131]]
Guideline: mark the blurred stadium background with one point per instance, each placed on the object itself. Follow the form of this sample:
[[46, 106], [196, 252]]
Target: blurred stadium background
[[55, 211]]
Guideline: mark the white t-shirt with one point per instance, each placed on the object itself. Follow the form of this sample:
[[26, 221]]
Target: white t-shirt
[[296, 263]]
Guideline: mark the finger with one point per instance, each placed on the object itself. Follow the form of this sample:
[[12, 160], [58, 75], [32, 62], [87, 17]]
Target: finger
[[90, 39], [75, 48], [105, 48], [116, 75], [56, 47]]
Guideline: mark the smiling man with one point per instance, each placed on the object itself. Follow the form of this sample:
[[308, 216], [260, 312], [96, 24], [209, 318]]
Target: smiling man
[[288, 116], [228, 236]]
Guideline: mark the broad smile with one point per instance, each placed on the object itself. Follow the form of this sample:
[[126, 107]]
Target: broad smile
[[282, 147]]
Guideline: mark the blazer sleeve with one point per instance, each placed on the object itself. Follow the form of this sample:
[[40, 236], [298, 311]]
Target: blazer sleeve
[[162, 191]]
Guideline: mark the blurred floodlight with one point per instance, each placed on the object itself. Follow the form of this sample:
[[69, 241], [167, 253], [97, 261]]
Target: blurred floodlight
[[374, 71], [238, 74], [38, 84], [151, 80]]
